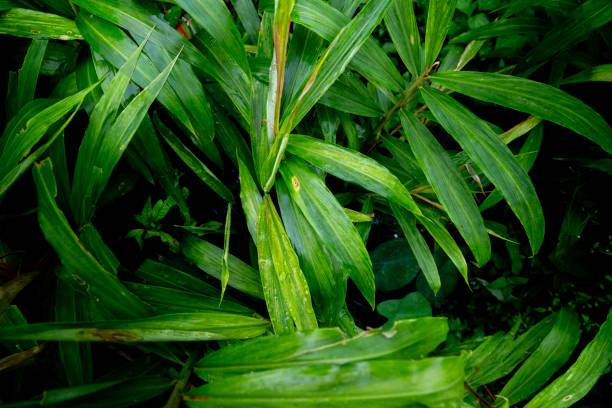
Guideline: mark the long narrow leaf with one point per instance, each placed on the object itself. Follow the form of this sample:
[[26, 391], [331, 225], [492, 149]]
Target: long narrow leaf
[[281, 274], [494, 158], [352, 166], [541, 100]]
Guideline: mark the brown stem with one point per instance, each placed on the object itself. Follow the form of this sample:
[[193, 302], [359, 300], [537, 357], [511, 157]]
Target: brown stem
[[478, 397]]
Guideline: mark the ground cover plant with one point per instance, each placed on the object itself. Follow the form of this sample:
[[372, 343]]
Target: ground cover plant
[[305, 202]]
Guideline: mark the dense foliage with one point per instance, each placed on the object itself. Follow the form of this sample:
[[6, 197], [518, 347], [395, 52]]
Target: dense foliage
[[211, 203]]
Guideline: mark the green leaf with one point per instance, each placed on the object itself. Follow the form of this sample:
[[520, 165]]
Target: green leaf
[[352, 166], [281, 276], [165, 42], [120, 133], [526, 158], [348, 94], [27, 76], [494, 158], [439, 19], [498, 28], [497, 356], [409, 339], [599, 73], [199, 326], [394, 264], [541, 100], [82, 271], [551, 354], [160, 274], [76, 359], [115, 46], [450, 188], [418, 246], [249, 197], [330, 222], [247, 13], [192, 161], [207, 257], [411, 306], [327, 284], [402, 27], [333, 63], [444, 239], [580, 22], [118, 393], [220, 42], [18, 142], [370, 61], [34, 24], [578, 380], [166, 300], [225, 260], [382, 383], [101, 119], [16, 172]]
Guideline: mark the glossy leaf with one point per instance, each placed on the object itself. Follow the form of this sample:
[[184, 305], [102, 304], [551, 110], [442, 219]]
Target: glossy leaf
[[494, 158], [17, 143], [35, 24], [166, 300], [390, 383], [512, 26], [330, 222], [327, 284], [599, 73], [335, 60], [192, 161], [370, 61], [409, 339], [352, 166], [541, 100], [281, 276], [412, 306]]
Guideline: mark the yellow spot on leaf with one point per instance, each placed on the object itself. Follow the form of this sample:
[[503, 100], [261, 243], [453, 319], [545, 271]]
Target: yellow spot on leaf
[[296, 183]]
